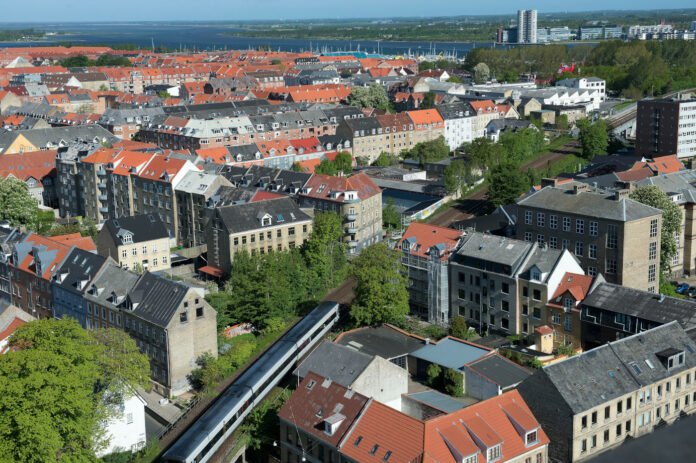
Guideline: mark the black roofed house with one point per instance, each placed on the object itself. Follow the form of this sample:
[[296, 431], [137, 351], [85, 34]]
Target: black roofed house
[[594, 401], [136, 240], [173, 324], [613, 312], [262, 226]]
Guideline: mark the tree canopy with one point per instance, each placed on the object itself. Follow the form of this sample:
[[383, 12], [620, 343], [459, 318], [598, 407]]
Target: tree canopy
[[430, 151], [391, 218], [457, 175], [481, 73], [594, 138], [380, 294], [671, 220], [60, 387], [16, 204], [373, 96], [386, 159], [428, 100], [342, 163], [506, 183]]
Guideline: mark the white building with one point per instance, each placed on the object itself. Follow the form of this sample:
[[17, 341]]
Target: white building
[[639, 32], [526, 26], [458, 119], [586, 83], [126, 431]]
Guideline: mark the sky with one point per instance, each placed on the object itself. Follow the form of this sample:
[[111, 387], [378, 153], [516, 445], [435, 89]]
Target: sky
[[231, 10]]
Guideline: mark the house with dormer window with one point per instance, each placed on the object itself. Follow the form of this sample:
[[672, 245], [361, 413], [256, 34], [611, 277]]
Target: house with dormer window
[[258, 226], [137, 240]]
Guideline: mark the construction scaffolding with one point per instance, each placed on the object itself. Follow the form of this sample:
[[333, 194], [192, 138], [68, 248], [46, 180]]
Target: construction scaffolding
[[428, 287]]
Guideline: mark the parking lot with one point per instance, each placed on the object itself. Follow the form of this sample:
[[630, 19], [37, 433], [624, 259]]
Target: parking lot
[[690, 280]]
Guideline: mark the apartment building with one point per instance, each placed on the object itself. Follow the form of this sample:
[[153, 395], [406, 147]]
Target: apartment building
[[458, 119], [594, 401], [427, 250], [367, 136], [171, 322], [428, 125], [666, 126], [192, 196], [69, 180], [125, 123], [357, 199], [398, 132], [503, 284], [485, 111], [136, 241], [612, 312], [609, 233], [586, 83], [526, 26], [261, 226], [325, 421]]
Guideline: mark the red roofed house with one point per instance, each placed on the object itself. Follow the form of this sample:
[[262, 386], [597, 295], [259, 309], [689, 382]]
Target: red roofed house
[[428, 124], [356, 199], [426, 253], [35, 168], [11, 318], [563, 309], [486, 111], [325, 421]]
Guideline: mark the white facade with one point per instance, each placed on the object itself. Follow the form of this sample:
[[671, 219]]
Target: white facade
[[594, 84], [126, 431], [641, 31], [458, 131], [686, 133], [526, 26]]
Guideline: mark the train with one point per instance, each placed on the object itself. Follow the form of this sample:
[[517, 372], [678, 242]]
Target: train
[[205, 436]]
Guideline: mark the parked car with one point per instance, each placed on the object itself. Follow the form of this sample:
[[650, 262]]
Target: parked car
[[692, 291], [682, 288]]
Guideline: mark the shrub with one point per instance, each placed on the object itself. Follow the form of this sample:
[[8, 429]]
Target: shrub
[[433, 374], [458, 328], [454, 383]]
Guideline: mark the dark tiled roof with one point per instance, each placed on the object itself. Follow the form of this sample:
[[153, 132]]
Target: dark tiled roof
[[385, 341], [240, 218], [500, 370], [156, 299], [78, 267], [144, 227], [340, 363]]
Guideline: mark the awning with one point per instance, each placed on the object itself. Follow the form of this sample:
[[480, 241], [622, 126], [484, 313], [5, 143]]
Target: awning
[[212, 271]]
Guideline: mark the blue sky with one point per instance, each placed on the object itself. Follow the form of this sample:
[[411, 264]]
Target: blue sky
[[139, 10]]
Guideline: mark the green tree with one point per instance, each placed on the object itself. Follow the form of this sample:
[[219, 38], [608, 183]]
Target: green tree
[[457, 175], [430, 151], [341, 164], [16, 204], [164, 95], [373, 96], [454, 79], [454, 382], [428, 100], [434, 376], [506, 183], [297, 167], [78, 61], [484, 153], [380, 294], [481, 73], [594, 138], [562, 122], [391, 219], [60, 386], [458, 328], [671, 220], [324, 251], [139, 268], [385, 159]]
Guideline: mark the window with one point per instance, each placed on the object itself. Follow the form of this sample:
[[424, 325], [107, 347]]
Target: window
[[594, 418], [154, 262], [606, 436], [579, 248], [584, 422], [493, 453], [553, 242], [199, 312], [541, 219], [568, 326], [236, 240], [611, 266], [135, 251], [619, 407], [592, 271], [628, 426], [540, 240], [594, 441], [566, 223], [652, 251], [144, 249], [374, 449], [618, 430], [653, 228], [579, 226], [536, 295], [611, 236], [592, 251], [652, 269], [528, 237], [628, 405], [553, 221], [532, 437], [566, 244], [505, 306], [124, 253], [505, 288], [583, 446], [556, 318], [594, 227], [183, 317], [537, 313]]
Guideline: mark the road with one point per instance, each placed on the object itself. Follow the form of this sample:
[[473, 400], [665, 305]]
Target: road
[[476, 203]]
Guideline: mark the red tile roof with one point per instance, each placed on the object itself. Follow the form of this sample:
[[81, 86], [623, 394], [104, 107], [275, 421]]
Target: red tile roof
[[75, 239], [544, 329], [7, 332], [262, 195], [360, 183], [308, 145], [635, 174], [28, 264], [428, 236], [577, 285], [425, 117], [662, 165], [33, 164]]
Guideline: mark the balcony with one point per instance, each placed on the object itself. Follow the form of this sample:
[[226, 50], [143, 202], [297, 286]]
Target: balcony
[[352, 244], [101, 185], [103, 209], [102, 197], [101, 172], [351, 217], [352, 230]]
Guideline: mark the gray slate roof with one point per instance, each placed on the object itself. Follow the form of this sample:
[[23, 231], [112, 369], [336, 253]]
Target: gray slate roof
[[500, 370], [496, 249], [79, 266], [340, 363], [605, 373], [589, 203], [240, 218], [111, 285], [383, 340], [450, 353], [144, 227], [642, 304], [157, 298], [41, 138]]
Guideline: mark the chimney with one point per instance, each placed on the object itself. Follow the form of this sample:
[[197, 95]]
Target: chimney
[[549, 182], [621, 194], [580, 187]]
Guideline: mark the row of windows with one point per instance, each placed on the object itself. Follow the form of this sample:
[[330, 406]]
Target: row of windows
[[262, 236]]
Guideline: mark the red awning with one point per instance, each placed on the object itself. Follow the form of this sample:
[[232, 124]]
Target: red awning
[[216, 272]]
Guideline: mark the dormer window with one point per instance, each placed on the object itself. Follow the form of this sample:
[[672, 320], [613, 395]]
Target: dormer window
[[532, 437], [127, 239], [493, 453], [568, 303], [536, 275]]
